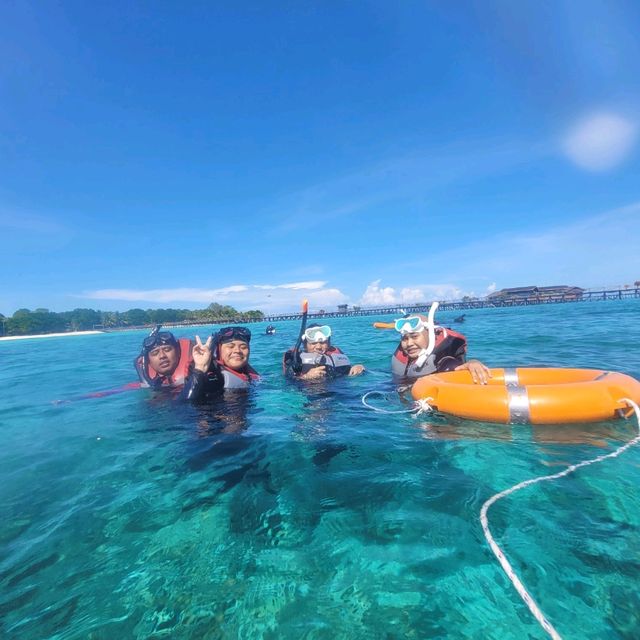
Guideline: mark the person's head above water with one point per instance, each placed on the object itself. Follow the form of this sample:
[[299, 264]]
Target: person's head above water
[[231, 347], [162, 351], [414, 334], [317, 338]]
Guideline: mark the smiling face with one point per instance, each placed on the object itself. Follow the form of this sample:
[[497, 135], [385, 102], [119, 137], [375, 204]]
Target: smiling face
[[413, 343], [234, 354], [317, 347], [163, 359]]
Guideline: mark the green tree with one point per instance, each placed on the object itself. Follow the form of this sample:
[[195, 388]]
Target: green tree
[[135, 317], [82, 319], [109, 319], [37, 322]]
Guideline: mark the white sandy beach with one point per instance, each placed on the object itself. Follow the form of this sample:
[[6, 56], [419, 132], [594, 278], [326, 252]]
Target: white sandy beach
[[51, 335]]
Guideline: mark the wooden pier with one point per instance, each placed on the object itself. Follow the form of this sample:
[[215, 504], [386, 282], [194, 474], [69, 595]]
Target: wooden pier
[[445, 305]]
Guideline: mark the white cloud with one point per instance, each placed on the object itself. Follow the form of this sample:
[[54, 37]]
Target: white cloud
[[376, 295], [165, 295], [296, 286], [326, 299], [601, 141], [267, 297], [409, 294], [594, 251]]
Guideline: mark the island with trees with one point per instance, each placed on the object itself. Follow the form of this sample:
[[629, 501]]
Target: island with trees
[[42, 321]]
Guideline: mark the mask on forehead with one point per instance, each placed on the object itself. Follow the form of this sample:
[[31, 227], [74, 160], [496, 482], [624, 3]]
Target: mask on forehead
[[229, 334], [157, 338]]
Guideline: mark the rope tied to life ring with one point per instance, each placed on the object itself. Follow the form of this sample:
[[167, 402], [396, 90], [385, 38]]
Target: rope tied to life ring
[[417, 406], [497, 551]]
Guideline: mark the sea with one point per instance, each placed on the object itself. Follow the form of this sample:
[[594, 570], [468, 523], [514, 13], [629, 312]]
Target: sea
[[297, 512]]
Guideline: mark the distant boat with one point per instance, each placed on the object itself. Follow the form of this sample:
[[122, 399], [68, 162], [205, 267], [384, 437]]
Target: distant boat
[[270, 330]]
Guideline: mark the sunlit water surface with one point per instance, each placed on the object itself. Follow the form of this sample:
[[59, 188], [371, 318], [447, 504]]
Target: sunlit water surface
[[299, 513]]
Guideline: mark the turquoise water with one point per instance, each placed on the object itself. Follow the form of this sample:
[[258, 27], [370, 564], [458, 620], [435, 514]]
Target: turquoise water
[[304, 514]]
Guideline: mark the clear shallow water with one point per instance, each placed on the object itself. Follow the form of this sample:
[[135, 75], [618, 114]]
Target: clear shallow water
[[303, 514]]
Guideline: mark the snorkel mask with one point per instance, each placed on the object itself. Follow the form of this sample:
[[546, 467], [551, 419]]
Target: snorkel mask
[[229, 334], [317, 334], [157, 338], [414, 324]]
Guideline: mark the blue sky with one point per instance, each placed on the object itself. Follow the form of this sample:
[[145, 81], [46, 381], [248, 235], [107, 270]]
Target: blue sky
[[253, 154]]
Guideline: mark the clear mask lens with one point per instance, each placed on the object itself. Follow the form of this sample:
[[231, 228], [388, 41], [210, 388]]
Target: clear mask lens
[[318, 334], [409, 325]]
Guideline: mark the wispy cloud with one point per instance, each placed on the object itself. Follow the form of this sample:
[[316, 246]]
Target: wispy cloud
[[402, 176], [165, 295], [379, 295], [32, 223], [600, 250], [296, 286], [268, 297], [580, 253], [600, 141]]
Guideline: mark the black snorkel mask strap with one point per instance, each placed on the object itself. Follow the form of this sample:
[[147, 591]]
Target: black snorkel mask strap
[[156, 382], [152, 334], [297, 360]]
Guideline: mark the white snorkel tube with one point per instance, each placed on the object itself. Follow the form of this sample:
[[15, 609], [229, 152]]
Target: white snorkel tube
[[431, 332]]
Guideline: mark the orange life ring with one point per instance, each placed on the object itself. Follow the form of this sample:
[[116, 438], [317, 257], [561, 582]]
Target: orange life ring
[[531, 396]]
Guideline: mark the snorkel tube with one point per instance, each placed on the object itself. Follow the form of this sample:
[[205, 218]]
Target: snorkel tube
[[297, 360], [429, 325], [431, 332]]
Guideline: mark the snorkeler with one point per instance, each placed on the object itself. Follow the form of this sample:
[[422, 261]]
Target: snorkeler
[[221, 363], [314, 357], [164, 361], [425, 348]]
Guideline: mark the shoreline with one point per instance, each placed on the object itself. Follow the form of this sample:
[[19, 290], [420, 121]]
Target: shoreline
[[51, 335]]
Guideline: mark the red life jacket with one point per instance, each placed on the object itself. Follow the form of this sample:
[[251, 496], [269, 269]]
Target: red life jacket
[[450, 346], [149, 377]]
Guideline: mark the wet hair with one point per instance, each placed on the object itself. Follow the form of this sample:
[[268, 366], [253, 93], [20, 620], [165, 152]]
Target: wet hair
[[157, 339]]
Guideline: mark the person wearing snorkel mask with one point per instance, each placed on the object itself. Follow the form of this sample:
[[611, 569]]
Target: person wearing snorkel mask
[[164, 361], [425, 348], [221, 363], [319, 359]]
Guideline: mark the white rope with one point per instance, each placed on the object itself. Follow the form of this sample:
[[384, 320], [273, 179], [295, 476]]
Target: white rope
[[423, 405], [419, 406], [506, 566]]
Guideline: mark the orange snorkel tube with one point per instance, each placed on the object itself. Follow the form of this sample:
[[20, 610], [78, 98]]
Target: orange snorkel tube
[[297, 363]]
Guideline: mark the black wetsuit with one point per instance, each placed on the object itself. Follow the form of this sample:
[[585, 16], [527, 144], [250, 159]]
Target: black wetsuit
[[201, 387]]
